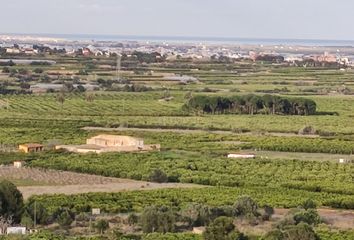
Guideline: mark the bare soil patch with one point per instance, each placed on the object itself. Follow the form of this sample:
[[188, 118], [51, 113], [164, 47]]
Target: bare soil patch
[[124, 185], [32, 181], [341, 219]]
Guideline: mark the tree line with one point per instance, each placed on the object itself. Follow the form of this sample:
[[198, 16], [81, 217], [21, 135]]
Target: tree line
[[251, 104]]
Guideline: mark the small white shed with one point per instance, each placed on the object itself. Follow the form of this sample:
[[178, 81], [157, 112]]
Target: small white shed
[[16, 230], [344, 160], [96, 211], [241, 155], [19, 164]]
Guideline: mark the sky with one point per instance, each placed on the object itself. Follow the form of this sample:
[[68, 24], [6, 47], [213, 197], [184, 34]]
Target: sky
[[285, 19]]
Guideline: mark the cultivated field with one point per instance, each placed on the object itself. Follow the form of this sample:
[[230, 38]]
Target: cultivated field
[[297, 156], [33, 181]]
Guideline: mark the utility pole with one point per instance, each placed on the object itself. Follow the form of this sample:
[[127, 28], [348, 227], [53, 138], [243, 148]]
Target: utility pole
[[35, 215], [118, 66]]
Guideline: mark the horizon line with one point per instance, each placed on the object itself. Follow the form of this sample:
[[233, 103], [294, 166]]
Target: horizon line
[[169, 37]]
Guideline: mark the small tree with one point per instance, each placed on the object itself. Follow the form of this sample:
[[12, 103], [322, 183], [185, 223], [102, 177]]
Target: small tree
[[6, 70], [11, 201], [65, 219], [102, 225], [301, 231], [188, 95], [36, 211], [268, 212], [309, 204], [307, 130], [38, 70], [309, 216], [80, 88], [275, 234], [61, 98], [246, 207], [89, 97], [222, 228], [133, 219], [158, 219], [27, 221], [158, 176]]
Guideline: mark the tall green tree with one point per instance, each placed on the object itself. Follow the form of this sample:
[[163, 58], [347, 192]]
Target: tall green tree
[[246, 207], [11, 201], [158, 219]]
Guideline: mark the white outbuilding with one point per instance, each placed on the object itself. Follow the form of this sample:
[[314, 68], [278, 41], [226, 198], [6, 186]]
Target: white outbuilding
[[241, 155]]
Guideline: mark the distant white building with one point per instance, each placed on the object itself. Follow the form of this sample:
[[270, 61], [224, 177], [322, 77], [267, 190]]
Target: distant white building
[[13, 50], [18, 164], [241, 155], [344, 161], [96, 211], [16, 230]]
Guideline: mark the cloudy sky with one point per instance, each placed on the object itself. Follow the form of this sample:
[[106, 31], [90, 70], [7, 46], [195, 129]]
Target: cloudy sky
[[300, 19]]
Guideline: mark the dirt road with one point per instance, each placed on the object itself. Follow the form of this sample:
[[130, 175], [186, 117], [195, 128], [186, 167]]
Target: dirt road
[[33, 181], [124, 185], [195, 131]]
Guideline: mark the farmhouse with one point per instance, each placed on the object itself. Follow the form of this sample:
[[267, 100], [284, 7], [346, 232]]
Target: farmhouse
[[110, 143], [31, 147]]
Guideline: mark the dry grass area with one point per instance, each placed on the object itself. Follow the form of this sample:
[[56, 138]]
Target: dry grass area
[[124, 185], [33, 181], [337, 219]]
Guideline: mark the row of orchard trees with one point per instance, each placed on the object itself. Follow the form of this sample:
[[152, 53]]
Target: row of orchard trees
[[251, 104]]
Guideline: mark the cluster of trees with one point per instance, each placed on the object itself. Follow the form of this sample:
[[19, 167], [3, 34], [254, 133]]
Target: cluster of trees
[[143, 57], [134, 88], [251, 104], [167, 219], [219, 220], [298, 224], [8, 63], [270, 58]]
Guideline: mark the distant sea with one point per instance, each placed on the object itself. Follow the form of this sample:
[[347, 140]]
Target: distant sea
[[224, 40]]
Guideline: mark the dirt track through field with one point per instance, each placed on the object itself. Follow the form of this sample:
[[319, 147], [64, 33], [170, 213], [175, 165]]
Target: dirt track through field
[[173, 130], [39, 181], [124, 185]]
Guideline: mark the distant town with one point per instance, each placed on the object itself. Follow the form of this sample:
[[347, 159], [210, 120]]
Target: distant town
[[303, 55]]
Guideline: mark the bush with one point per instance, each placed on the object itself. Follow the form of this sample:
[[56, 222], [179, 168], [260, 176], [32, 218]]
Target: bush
[[222, 228], [158, 176], [246, 207], [310, 217], [309, 204], [158, 219], [101, 225], [65, 219], [307, 130]]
